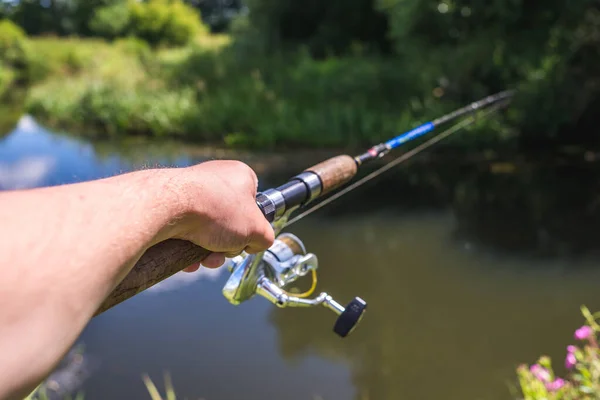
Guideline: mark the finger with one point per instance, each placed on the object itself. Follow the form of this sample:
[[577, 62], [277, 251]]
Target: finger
[[192, 268], [214, 260]]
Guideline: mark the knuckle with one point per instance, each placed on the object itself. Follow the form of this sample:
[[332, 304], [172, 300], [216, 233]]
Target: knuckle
[[239, 165], [245, 175]]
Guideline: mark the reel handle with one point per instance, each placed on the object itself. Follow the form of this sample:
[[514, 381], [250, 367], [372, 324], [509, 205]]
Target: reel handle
[[350, 317]]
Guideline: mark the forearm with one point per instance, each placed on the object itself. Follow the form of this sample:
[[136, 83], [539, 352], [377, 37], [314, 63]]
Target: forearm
[[69, 247]]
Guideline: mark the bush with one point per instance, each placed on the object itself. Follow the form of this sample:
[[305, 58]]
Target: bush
[[204, 94], [183, 24], [51, 57], [138, 48], [583, 363], [13, 45], [106, 108], [111, 21], [292, 99], [169, 22], [14, 60], [6, 78]]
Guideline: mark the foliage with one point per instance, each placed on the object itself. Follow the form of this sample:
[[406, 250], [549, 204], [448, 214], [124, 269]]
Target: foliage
[[59, 58], [324, 27], [74, 17], [583, 363], [12, 42], [474, 47], [169, 22], [205, 94], [165, 22], [350, 72], [83, 12], [13, 55], [136, 47], [38, 17], [279, 100], [113, 94], [6, 78], [111, 21], [460, 50], [218, 14]]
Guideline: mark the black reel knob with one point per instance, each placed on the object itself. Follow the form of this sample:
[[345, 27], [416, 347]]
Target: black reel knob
[[350, 318]]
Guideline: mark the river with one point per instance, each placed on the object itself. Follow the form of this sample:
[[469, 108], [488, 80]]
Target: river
[[468, 269]]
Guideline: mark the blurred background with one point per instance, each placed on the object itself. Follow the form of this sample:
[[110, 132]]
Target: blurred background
[[474, 257]]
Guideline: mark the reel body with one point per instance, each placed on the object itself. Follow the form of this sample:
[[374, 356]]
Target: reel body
[[268, 273]]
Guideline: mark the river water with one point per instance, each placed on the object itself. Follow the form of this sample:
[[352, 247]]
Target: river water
[[469, 269]]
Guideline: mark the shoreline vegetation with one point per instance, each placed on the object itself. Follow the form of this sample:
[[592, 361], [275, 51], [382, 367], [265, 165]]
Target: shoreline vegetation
[[199, 94], [154, 69]]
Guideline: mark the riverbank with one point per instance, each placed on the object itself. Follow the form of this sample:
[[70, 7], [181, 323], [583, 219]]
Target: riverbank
[[203, 94]]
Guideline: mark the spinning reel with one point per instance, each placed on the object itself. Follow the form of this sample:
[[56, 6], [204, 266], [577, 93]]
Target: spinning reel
[[267, 274]]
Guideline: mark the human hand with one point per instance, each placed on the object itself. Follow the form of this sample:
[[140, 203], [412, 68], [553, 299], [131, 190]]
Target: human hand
[[218, 211]]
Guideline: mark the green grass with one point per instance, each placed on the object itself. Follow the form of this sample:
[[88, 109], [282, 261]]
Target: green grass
[[154, 392]]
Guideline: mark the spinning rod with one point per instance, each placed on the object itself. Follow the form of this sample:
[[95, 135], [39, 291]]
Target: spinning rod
[[333, 173], [270, 272], [398, 160]]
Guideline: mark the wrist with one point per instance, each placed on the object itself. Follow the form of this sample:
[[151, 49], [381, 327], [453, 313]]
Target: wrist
[[175, 194]]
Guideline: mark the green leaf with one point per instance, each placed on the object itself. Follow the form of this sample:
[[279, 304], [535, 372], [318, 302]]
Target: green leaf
[[590, 319]]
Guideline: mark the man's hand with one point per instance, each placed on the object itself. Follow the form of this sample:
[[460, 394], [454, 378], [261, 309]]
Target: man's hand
[[219, 211], [65, 248]]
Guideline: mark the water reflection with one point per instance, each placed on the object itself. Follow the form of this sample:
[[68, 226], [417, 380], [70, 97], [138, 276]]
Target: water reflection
[[469, 268], [540, 209], [445, 320]]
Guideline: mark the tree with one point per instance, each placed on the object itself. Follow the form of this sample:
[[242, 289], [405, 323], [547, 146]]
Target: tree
[[217, 14], [326, 27]]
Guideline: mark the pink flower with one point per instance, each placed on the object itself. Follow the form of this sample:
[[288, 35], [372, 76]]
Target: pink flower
[[555, 385], [570, 361], [571, 349], [540, 372], [583, 333]]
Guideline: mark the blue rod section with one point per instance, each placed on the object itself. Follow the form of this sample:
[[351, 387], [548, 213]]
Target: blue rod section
[[410, 135]]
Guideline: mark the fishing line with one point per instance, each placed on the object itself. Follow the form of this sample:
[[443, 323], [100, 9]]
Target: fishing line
[[398, 160]]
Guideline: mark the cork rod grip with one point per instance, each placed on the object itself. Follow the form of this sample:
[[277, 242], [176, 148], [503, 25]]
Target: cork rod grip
[[335, 172], [157, 264]]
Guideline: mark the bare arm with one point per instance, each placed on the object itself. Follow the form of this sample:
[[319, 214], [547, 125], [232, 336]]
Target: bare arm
[[64, 249]]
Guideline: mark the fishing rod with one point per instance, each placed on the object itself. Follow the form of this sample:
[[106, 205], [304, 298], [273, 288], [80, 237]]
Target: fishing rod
[[268, 273]]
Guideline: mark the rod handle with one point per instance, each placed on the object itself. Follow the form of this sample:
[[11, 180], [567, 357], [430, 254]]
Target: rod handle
[[157, 264], [334, 172], [171, 256]]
